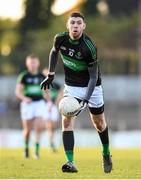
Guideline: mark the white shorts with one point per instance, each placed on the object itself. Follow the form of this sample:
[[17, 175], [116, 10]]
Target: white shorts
[[52, 112], [33, 110], [96, 99]]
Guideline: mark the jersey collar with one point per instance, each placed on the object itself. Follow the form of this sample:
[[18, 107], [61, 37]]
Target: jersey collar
[[75, 41]]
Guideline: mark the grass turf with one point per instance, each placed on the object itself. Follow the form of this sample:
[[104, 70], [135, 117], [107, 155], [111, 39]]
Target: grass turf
[[127, 164]]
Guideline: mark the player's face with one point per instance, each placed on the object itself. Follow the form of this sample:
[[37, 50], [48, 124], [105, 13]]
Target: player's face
[[76, 26], [32, 64]]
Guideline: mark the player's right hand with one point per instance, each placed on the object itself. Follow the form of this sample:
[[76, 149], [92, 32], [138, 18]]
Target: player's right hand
[[47, 82], [83, 106]]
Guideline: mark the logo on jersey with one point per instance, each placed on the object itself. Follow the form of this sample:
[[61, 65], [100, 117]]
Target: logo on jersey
[[63, 48], [36, 81], [71, 52], [29, 80], [33, 80], [78, 55]]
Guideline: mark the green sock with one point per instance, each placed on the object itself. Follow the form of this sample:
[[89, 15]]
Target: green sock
[[106, 150], [37, 147], [26, 144], [69, 155]]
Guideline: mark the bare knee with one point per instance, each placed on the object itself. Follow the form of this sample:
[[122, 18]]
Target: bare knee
[[38, 125], [99, 122], [27, 126], [67, 123], [50, 126], [26, 132]]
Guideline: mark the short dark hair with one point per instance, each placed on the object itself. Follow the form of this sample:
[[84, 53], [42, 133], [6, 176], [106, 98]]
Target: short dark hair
[[77, 14], [32, 56]]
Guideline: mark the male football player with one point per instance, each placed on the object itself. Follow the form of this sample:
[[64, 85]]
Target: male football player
[[82, 81], [33, 106]]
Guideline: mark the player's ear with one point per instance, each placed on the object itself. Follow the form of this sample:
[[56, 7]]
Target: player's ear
[[67, 26], [84, 25]]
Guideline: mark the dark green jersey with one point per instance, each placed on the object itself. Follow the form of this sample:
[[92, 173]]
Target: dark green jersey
[[31, 84], [77, 56]]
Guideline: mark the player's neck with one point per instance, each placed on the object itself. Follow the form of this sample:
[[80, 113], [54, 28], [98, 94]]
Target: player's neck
[[33, 72]]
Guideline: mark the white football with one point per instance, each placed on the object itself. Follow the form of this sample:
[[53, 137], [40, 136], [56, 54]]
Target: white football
[[68, 106]]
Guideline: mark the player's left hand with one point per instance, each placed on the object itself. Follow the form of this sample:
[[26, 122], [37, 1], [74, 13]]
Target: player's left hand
[[83, 106]]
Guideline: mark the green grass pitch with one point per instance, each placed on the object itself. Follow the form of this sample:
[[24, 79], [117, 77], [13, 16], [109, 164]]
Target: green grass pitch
[[127, 164]]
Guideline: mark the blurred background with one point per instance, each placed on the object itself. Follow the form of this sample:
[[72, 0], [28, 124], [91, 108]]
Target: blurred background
[[29, 26]]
